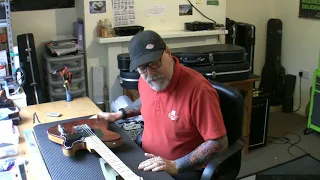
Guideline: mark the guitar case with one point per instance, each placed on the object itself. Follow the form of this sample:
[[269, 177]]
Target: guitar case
[[273, 73], [219, 62], [29, 64], [246, 36], [242, 34], [232, 28]]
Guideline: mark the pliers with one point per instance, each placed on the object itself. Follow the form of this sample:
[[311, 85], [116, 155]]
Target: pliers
[[35, 116]]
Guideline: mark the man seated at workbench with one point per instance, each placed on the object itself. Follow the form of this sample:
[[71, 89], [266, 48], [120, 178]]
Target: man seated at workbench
[[183, 125]]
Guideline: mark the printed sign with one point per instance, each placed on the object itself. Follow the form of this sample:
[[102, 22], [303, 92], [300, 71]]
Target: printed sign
[[213, 2], [309, 9]]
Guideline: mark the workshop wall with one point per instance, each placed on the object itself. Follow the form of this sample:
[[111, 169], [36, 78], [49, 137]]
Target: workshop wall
[[170, 21], [43, 24]]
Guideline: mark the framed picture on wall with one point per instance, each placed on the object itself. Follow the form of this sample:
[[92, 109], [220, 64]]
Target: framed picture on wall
[[309, 9], [29, 5]]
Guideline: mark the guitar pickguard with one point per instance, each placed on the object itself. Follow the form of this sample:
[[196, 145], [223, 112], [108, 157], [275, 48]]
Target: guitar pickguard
[[79, 136]]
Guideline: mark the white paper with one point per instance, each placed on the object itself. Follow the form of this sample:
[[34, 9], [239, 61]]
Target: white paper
[[3, 56], [123, 12], [94, 117], [156, 10]]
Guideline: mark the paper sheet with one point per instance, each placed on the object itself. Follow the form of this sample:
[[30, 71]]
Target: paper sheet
[[123, 12], [156, 10]]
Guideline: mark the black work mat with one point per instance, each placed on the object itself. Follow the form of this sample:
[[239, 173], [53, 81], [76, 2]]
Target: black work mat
[[86, 165], [304, 167]]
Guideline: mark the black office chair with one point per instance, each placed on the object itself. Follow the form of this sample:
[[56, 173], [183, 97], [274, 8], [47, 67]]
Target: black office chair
[[225, 165]]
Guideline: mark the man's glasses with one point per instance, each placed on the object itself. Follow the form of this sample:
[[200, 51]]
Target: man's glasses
[[153, 65]]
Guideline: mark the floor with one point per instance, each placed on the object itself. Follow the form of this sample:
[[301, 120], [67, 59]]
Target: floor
[[276, 152]]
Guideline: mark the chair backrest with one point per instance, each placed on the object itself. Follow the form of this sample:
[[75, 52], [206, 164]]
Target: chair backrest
[[232, 107]]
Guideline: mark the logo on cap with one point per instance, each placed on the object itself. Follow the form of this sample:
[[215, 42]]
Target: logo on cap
[[150, 46]]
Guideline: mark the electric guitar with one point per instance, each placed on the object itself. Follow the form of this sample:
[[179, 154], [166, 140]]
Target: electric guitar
[[95, 137]]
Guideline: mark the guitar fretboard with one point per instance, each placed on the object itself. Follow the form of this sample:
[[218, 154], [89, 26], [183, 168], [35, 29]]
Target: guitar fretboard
[[123, 170]]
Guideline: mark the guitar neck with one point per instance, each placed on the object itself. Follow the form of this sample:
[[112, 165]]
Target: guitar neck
[[123, 170]]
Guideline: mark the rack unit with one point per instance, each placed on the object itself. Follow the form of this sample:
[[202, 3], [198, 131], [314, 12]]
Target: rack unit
[[6, 23], [54, 83]]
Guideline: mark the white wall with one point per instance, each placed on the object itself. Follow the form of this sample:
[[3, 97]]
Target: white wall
[[300, 46], [300, 40], [256, 12], [96, 53], [43, 24]]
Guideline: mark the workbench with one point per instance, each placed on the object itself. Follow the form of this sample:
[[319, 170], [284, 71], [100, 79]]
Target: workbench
[[79, 107]]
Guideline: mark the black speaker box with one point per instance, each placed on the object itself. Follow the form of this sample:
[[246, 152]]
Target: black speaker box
[[259, 121], [290, 83]]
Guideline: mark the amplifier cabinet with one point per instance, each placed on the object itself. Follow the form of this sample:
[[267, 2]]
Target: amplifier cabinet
[[259, 121]]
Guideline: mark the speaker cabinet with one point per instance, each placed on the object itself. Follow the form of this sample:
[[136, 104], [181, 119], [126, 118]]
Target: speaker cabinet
[[259, 121], [290, 83]]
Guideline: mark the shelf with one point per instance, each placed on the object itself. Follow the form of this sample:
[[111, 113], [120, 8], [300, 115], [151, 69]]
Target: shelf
[[166, 35], [3, 23]]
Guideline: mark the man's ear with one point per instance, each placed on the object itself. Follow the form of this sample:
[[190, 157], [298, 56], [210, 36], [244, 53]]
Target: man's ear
[[167, 50]]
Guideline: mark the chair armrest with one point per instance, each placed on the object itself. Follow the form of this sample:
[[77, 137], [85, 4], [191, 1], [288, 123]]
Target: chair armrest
[[219, 158], [139, 139]]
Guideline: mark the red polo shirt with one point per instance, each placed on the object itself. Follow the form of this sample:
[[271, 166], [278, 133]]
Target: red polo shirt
[[182, 116]]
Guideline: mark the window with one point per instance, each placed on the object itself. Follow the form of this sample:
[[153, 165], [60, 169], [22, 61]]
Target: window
[[29, 5]]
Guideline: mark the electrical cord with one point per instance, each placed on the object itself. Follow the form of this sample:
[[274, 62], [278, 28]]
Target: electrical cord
[[299, 97], [286, 140], [202, 13], [22, 80]]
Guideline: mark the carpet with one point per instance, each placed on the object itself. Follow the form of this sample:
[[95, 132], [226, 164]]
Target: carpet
[[305, 167]]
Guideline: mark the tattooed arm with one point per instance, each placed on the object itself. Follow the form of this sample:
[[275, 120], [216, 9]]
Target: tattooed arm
[[132, 110], [202, 155]]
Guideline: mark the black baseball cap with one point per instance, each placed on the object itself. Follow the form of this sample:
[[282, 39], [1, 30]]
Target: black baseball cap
[[145, 47]]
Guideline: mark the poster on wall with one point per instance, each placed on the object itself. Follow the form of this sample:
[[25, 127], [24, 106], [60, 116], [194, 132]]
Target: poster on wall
[[123, 12], [185, 9], [309, 9], [97, 7]]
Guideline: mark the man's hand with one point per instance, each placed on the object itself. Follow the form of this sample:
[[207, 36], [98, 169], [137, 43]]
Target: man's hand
[[156, 163], [111, 117]]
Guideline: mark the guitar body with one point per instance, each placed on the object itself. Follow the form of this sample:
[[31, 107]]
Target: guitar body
[[71, 135]]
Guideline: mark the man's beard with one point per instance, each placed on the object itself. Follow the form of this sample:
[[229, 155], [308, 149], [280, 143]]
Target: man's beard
[[160, 84]]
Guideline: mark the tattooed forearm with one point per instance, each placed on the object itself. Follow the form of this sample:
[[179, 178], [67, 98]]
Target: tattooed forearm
[[133, 110], [202, 155]]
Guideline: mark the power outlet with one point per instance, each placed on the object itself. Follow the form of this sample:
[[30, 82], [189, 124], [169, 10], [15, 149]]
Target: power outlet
[[305, 73]]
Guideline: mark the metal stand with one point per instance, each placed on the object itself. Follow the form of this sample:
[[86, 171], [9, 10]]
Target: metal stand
[[6, 23]]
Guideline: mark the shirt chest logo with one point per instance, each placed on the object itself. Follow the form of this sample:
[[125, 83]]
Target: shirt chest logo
[[173, 115]]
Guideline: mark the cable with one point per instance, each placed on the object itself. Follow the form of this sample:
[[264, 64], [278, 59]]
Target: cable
[[201, 12], [299, 97], [286, 140]]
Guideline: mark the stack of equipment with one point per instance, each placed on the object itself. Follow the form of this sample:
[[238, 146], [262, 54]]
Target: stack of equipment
[[128, 80]]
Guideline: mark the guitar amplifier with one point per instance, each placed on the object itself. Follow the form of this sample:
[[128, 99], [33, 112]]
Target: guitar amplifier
[[199, 26], [259, 121]]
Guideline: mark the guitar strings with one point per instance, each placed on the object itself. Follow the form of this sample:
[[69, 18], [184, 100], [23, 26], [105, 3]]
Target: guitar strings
[[93, 136]]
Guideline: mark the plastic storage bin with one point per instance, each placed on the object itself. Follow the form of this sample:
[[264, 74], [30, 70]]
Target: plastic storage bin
[[54, 63], [77, 73], [57, 87]]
